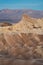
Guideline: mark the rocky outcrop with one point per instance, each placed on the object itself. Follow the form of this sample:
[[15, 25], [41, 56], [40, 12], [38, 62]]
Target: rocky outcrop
[[22, 43], [29, 25], [26, 25], [21, 48]]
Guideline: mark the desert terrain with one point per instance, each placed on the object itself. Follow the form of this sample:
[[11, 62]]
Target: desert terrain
[[22, 43]]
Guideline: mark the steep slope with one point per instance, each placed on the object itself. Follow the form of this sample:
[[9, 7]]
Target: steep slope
[[28, 24], [22, 45]]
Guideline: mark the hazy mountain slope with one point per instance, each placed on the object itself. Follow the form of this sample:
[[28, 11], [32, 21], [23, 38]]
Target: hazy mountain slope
[[15, 15]]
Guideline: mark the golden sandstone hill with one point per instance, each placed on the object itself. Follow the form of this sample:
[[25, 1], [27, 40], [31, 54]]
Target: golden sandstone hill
[[22, 41], [30, 25], [26, 25]]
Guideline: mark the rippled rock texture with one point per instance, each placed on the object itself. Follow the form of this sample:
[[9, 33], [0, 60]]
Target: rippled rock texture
[[21, 49]]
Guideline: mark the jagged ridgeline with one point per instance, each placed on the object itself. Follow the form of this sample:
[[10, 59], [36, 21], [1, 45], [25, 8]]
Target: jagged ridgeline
[[27, 24]]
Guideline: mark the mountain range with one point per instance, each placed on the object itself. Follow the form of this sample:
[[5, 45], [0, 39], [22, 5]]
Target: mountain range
[[15, 15]]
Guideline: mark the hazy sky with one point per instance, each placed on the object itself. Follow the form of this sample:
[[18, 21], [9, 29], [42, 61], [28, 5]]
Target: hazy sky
[[21, 4]]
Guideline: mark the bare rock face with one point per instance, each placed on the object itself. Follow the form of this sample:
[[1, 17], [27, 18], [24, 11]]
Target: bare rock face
[[29, 25], [27, 48], [21, 43]]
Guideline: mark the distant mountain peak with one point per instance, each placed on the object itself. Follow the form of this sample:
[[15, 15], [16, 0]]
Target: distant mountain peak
[[25, 17]]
